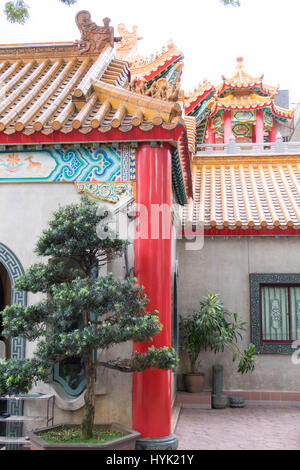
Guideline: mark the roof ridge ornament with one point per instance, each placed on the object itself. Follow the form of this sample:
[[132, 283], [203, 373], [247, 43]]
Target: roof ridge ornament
[[161, 89], [240, 67], [94, 38], [128, 45], [242, 78]]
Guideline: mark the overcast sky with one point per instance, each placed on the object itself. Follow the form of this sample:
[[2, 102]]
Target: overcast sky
[[211, 36]]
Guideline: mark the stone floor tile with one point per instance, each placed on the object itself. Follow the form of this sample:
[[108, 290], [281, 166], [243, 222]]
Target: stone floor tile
[[249, 428]]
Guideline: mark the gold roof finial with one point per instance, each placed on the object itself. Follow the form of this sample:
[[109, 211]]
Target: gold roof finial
[[240, 66]]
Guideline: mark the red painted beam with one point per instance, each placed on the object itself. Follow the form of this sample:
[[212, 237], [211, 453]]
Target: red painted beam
[[239, 232], [113, 135]]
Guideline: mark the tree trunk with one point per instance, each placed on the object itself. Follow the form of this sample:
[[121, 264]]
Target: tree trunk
[[193, 361], [89, 399]]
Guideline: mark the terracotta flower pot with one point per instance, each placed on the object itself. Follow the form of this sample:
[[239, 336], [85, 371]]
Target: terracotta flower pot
[[126, 442], [194, 382]]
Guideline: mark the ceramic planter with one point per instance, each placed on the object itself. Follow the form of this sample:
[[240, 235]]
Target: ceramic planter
[[127, 442], [193, 382]]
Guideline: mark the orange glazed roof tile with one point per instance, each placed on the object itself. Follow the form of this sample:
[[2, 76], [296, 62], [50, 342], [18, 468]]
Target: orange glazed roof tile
[[190, 123], [235, 101], [243, 100], [247, 101], [50, 93], [65, 93], [248, 193], [82, 86], [281, 112]]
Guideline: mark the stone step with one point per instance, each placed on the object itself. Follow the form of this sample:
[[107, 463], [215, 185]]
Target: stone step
[[194, 400], [21, 419], [14, 441]]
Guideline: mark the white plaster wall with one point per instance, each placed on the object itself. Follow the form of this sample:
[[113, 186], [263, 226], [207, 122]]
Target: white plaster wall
[[223, 266], [25, 210]]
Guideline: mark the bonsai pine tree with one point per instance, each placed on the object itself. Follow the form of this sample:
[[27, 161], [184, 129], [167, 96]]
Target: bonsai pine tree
[[110, 310]]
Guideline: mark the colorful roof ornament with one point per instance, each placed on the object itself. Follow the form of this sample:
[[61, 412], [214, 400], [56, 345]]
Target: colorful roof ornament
[[127, 47], [240, 79], [167, 63], [200, 93], [240, 93], [243, 92]]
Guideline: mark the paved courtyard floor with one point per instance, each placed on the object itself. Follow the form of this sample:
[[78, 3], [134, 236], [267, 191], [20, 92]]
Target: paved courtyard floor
[[249, 428]]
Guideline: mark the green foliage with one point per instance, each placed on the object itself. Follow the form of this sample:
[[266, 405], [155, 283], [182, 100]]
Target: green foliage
[[247, 360], [215, 329], [17, 377], [109, 311], [17, 11], [72, 435], [162, 358], [234, 3]]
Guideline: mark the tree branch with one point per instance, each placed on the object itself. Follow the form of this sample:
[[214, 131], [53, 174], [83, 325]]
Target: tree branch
[[115, 366]]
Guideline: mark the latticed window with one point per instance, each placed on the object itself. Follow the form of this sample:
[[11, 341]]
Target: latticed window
[[280, 313], [275, 312], [70, 373]]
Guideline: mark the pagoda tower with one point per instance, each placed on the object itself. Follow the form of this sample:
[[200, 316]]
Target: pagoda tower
[[242, 106]]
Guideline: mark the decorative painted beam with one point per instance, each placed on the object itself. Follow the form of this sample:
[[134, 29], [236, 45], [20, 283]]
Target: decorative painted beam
[[108, 191]]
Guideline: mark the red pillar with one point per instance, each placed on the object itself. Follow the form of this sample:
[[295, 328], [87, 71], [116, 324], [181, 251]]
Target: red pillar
[[151, 396], [253, 133], [260, 126], [211, 135], [272, 133], [227, 126]]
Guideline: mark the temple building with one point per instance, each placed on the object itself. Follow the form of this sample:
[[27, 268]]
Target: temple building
[[94, 116], [73, 121], [246, 208], [242, 107]]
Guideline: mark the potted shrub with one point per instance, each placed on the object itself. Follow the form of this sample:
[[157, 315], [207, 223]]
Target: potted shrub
[[212, 328], [81, 312]]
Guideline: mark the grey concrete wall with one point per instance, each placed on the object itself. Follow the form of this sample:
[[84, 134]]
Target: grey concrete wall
[[295, 137], [25, 210], [223, 266]]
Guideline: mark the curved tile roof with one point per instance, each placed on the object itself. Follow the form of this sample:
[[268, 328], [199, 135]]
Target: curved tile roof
[[246, 101], [247, 193], [46, 94]]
